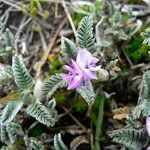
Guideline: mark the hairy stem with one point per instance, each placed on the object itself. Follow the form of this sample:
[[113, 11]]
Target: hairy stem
[[98, 132]]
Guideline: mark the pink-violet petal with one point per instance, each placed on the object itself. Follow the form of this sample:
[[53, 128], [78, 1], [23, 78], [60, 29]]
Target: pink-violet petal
[[90, 74], [83, 57], [75, 82], [67, 77], [148, 125], [76, 68], [93, 61], [68, 68], [148, 148]]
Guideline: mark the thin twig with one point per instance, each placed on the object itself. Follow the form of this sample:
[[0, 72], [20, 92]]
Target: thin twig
[[32, 126], [54, 1], [56, 8], [43, 24], [49, 47], [11, 4], [138, 66], [24, 22], [98, 33], [91, 126], [75, 120], [6, 13], [39, 6], [43, 41], [127, 57], [139, 24], [69, 17], [140, 93]]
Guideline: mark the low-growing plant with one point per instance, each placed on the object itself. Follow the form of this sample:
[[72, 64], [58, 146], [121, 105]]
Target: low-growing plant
[[85, 70], [24, 94]]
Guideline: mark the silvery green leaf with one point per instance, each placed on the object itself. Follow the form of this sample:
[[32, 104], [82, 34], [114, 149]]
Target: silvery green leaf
[[8, 40], [87, 92], [130, 138], [42, 113], [5, 73], [51, 85], [85, 37], [52, 104], [146, 36], [10, 111], [68, 48], [146, 84], [21, 75], [33, 144], [58, 143]]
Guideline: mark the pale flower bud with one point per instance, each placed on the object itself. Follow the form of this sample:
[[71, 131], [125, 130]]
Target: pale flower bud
[[38, 89], [102, 74]]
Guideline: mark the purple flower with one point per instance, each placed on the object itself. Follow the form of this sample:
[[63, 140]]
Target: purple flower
[[148, 125], [80, 70], [148, 129], [148, 148]]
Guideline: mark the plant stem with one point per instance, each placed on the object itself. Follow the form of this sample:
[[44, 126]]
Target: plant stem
[[98, 132], [69, 17], [75, 120]]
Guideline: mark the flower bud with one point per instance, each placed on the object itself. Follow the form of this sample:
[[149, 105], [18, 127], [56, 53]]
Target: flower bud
[[102, 75], [38, 89]]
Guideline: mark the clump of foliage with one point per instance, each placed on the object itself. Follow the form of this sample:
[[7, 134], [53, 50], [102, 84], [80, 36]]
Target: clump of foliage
[[134, 134], [34, 9], [6, 41], [21, 96], [24, 95]]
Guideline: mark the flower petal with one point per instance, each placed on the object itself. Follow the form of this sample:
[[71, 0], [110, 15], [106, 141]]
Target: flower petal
[[148, 148], [148, 125], [76, 68], [92, 61], [90, 74], [96, 68], [83, 57], [68, 68], [67, 77], [75, 82]]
